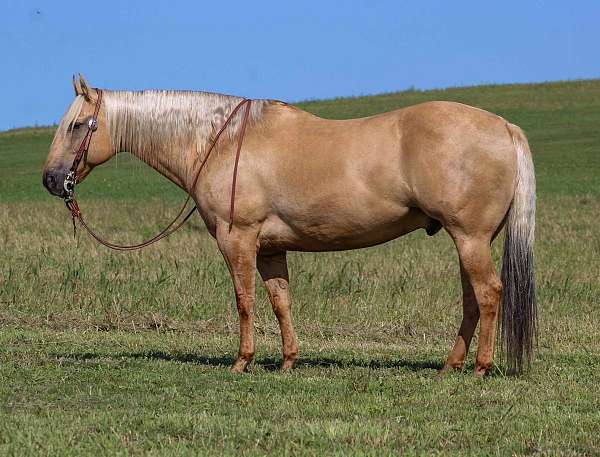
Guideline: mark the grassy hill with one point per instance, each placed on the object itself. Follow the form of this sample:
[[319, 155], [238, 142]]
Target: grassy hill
[[104, 352]]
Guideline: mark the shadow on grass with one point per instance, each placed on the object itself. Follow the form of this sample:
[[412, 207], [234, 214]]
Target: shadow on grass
[[266, 363], [273, 364]]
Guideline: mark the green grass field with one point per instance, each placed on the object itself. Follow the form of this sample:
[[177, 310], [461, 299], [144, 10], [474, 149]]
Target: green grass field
[[128, 353]]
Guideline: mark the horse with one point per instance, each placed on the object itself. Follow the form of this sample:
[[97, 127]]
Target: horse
[[311, 184]]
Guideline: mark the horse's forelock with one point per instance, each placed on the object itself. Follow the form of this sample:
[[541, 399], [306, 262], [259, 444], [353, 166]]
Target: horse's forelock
[[69, 118]]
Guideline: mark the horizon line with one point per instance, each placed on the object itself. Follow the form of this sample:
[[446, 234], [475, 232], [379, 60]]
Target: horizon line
[[411, 89]]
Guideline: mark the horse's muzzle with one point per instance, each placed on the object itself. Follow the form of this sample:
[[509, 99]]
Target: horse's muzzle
[[53, 180]]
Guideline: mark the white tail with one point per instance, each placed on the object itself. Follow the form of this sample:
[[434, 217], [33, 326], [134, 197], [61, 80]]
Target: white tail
[[519, 308]]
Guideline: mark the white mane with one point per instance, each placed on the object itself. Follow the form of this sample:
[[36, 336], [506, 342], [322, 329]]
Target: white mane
[[147, 122], [153, 122]]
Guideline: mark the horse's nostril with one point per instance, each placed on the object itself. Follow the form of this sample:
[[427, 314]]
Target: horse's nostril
[[49, 180], [52, 181]]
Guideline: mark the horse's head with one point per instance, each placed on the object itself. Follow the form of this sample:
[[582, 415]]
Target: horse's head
[[71, 134]]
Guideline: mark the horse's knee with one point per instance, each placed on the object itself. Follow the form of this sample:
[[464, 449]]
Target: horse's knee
[[245, 306]]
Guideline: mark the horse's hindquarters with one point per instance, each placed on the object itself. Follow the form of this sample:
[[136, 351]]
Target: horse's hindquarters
[[460, 164]]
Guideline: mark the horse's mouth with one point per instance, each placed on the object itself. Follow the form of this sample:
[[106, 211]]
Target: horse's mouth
[[53, 181]]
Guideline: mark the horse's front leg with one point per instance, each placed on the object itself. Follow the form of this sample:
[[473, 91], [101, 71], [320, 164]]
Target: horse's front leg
[[239, 248], [274, 272]]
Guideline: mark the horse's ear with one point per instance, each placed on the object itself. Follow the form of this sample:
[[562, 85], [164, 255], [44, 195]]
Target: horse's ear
[[86, 90], [77, 86]]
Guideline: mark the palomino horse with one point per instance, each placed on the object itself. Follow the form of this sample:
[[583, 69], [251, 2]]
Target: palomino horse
[[311, 184]]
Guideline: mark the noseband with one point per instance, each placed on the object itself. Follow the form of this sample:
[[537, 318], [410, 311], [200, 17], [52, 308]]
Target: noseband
[[174, 225]]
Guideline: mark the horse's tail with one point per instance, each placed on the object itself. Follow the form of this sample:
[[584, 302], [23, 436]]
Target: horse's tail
[[519, 310]]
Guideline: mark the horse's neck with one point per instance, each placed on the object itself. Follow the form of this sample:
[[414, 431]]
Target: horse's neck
[[170, 130], [170, 146], [172, 162]]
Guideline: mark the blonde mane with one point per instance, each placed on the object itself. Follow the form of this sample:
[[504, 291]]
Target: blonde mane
[[158, 122], [153, 122]]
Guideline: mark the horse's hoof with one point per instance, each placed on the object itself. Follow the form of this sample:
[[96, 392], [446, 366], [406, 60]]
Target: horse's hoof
[[444, 371], [288, 364], [239, 366], [448, 368], [481, 371]]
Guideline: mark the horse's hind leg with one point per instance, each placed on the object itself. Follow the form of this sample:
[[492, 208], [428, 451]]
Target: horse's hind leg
[[456, 359], [274, 272], [482, 287]]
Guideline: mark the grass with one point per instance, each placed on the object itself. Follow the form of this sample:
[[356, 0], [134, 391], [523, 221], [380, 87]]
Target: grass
[[113, 353]]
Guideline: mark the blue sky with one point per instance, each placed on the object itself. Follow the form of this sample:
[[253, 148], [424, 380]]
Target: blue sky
[[283, 49]]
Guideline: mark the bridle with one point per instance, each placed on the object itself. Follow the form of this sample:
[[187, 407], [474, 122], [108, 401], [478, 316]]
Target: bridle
[[174, 225], [84, 146]]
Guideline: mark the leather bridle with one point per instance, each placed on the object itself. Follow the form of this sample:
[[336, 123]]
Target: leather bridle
[[174, 225], [84, 146]]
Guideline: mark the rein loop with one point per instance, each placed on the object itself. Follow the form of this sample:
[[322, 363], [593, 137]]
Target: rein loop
[[174, 225]]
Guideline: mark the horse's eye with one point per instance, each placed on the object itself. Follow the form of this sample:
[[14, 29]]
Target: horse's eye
[[76, 125]]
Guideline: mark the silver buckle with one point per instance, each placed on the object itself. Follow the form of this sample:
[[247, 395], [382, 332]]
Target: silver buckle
[[69, 186], [93, 124]]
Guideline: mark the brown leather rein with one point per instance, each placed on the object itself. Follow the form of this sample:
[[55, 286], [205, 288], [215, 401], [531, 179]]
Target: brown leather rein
[[174, 225]]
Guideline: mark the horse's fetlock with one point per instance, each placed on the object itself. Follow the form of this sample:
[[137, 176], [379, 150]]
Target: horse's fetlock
[[246, 355], [291, 354], [482, 368]]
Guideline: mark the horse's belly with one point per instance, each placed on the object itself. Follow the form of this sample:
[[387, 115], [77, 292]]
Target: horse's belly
[[338, 231]]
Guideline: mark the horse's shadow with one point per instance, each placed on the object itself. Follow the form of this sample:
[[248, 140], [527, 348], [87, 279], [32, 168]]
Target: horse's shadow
[[266, 363]]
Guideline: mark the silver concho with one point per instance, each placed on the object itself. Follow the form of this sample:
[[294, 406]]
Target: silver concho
[[69, 186]]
